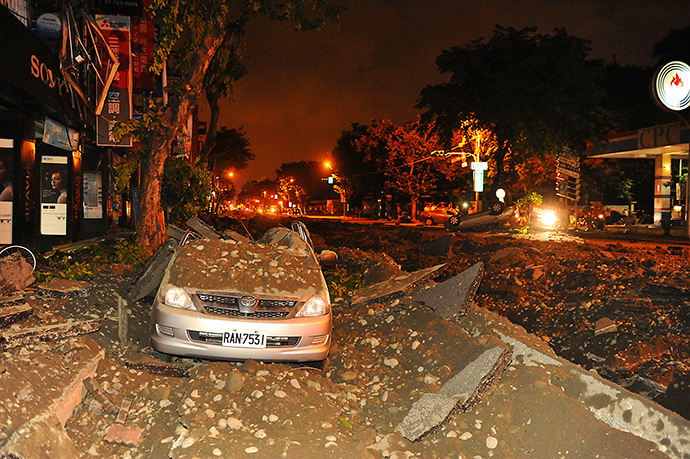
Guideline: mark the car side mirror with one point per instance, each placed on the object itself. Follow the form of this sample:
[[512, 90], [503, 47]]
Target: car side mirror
[[328, 258]]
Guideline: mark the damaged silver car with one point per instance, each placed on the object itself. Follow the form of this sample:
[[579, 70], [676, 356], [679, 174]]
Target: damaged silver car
[[237, 299]]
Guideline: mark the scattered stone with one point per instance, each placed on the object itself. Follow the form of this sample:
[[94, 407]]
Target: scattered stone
[[491, 442], [234, 381]]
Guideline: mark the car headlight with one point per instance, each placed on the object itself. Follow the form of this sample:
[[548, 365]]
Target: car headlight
[[176, 297], [315, 306]]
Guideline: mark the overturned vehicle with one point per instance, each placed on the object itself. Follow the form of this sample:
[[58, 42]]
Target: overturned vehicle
[[231, 298], [497, 214]]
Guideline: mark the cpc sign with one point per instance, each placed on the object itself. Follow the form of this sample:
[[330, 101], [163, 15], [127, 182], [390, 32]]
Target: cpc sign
[[672, 85]]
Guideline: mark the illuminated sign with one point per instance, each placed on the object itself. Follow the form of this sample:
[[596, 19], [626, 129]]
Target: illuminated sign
[[672, 85]]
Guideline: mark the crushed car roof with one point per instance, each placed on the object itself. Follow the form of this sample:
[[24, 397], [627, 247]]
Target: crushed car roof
[[280, 263]]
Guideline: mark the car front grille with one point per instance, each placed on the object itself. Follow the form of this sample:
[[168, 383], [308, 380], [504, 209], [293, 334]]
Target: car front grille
[[228, 305], [217, 338]]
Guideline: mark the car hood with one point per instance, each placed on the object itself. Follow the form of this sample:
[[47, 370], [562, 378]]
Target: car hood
[[246, 268]]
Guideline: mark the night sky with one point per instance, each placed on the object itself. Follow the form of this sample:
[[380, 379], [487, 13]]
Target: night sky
[[303, 89]]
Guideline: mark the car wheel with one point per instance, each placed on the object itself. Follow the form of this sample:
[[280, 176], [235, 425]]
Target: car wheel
[[454, 220], [496, 208], [428, 221], [167, 358]]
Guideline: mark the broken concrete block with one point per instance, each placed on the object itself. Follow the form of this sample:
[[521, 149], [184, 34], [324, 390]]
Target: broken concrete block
[[98, 393], [12, 314], [63, 287], [461, 393], [427, 413], [130, 436], [124, 410], [478, 378], [151, 275], [455, 295], [47, 333], [43, 436], [396, 287], [604, 325]]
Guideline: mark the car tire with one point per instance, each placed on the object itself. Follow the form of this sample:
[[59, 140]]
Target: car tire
[[496, 208], [428, 221], [167, 358], [454, 220]]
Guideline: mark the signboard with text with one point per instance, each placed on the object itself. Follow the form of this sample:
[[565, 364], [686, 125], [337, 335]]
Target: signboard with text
[[118, 103]]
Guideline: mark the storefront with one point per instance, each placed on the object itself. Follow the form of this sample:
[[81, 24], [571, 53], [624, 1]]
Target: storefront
[[53, 184], [667, 145]]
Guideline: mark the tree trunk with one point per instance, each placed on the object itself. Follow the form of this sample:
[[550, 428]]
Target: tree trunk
[[172, 117], [213, 98]]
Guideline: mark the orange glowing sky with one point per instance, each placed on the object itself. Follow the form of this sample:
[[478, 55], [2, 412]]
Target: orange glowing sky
[[303, 90]]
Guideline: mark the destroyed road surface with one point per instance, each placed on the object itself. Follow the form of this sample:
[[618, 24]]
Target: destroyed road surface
[[425, 361]]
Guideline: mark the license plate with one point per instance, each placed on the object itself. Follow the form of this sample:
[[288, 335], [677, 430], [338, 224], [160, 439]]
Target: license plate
[[239, 338]]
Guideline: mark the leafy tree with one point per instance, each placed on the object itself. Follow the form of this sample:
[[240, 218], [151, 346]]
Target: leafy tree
[[405, 154], [535, 92], [192, 39], [358, 166], [185, 191]]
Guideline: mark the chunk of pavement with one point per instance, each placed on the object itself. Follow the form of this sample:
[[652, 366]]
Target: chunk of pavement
[[48, 333], [150, 277], [63, 288], [396, 287], [454, 295], [461, 393], [43, 436], [125, 435], [12, 314], [478, 378], [604, 325]]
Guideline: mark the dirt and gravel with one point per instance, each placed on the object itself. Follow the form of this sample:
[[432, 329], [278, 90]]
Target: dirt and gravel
[[616, 308]]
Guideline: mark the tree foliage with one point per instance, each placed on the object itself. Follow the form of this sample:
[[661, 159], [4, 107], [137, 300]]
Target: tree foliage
[[535, 92], [186, 189], [192, 40]]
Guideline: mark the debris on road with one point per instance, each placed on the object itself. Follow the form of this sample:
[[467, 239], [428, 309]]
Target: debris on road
[[454, 295], [461, 393]]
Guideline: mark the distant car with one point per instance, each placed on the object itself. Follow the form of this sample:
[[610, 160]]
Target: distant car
[[235, 299], [437, 215]]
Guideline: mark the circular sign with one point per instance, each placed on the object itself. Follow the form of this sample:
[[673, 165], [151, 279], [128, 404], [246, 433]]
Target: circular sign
[[672, 85], [49, 25]]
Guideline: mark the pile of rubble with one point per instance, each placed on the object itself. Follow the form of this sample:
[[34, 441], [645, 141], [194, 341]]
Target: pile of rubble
[[419, 368]]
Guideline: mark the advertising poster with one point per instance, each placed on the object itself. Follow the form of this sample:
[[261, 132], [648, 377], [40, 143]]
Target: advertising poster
[[6, 190], [118, 103], [93, 203], [54, 194]]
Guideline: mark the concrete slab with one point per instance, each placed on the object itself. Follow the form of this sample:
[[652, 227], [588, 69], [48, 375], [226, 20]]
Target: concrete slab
[[396, 287], [42, 387], [453, 296], [459, 394]]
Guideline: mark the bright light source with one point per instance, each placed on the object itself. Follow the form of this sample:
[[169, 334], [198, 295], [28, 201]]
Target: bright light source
[[500, 194], [549, 219]]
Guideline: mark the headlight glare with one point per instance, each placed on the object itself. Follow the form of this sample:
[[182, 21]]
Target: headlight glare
[[315, 306], [176, 297]]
